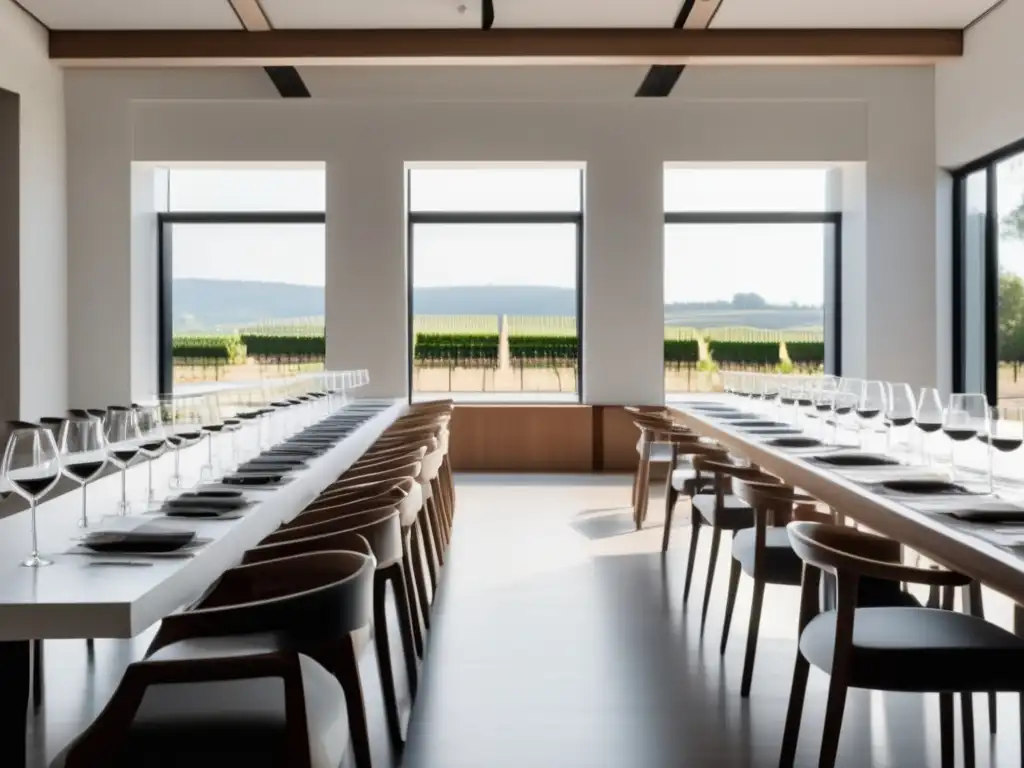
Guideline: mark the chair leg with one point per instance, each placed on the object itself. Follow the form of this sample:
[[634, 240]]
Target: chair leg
[[433, 506], [383, 648], [716, 539], [440, 536], [636, 485], [671, 496], [833, 722], [752, 630], [346, 669], [411, 591], [975, 607], [967, 721], [695, 525], [417, 554], [643, 491], [396, 575], [730, 602], [946, 729], [426, 527], [37, 674], [797, 692]]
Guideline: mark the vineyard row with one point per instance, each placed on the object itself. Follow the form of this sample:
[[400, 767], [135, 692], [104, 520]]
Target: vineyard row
[[484, 350]]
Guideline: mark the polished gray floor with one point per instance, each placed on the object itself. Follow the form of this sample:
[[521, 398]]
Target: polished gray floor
[[559, 641]]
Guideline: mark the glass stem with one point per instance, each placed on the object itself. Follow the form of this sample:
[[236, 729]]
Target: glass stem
[[209, 449], [952, 460], [177, 462], [35, 536], [85, 512], [149, 491], [124, 490], [991, 479]]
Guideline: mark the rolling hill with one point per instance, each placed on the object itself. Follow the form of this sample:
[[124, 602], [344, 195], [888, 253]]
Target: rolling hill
[[202, 305]]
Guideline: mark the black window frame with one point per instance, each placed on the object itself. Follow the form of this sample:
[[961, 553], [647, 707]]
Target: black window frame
[[833, 298], [494, 217], [165, 269], [990, 254]]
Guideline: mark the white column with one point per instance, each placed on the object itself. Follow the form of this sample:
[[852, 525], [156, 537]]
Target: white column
[[366, 291], [623, 278], [148, 198]]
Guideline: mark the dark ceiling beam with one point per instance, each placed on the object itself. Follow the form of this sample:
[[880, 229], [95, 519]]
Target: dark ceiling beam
[[486, 14], [661, 79], [515, 46], [286, 79]]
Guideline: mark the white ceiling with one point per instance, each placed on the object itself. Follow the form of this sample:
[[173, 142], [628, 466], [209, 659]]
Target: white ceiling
[[938, 14], [133, 14], [326, 14], [370, 14]]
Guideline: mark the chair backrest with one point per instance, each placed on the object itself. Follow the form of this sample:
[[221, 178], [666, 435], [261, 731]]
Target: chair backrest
[[378, 463], [781, 501], [380, 530], [395, 471], [329, 509], [339, 523], [850, 555], [372, 495], [314, 598]]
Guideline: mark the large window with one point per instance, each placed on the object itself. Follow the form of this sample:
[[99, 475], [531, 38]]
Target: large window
[[242, 270], [988, 280], [494, 270], [751, 274]]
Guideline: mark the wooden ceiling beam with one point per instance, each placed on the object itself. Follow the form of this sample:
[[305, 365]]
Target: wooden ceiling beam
[[506, 46]]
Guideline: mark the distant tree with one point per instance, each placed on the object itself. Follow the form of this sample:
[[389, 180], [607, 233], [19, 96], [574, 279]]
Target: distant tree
[[749, 301], [1013, 222], [1011, 317]]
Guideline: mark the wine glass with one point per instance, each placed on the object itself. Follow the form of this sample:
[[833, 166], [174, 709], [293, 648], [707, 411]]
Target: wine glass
[[871, 405], [900, 408], [83, 454], [212, 424], [154, 441], [844, 402], [185, 415], [965, 418], [230, 412], [1005, 434], [31, 467], [928, 417], [123, 445], [824, 397]]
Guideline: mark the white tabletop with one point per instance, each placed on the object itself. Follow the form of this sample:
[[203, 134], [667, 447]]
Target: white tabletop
[[73, 599], [922, 523]]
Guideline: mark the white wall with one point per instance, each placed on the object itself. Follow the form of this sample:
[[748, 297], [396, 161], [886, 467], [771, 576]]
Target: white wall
[[880, 119], [979, 104], [26, 70]]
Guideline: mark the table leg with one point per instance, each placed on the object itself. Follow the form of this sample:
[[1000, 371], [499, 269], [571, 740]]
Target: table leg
[[14, 688]]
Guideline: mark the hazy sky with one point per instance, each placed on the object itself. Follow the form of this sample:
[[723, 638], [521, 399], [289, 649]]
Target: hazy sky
[[1010, 176], [702, 263]]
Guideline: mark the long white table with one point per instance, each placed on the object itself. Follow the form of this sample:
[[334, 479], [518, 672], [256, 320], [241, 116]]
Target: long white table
[[955, 544], [73, 599]]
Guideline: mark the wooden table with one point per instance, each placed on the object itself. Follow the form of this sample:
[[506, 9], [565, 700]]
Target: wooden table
[[73, 599], [938, 536]]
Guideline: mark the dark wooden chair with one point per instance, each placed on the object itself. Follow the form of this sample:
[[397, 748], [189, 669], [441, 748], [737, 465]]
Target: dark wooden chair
[[684, 479], [381, 530], [657, 433], [722, 511], [261, 670], [911, 649]]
